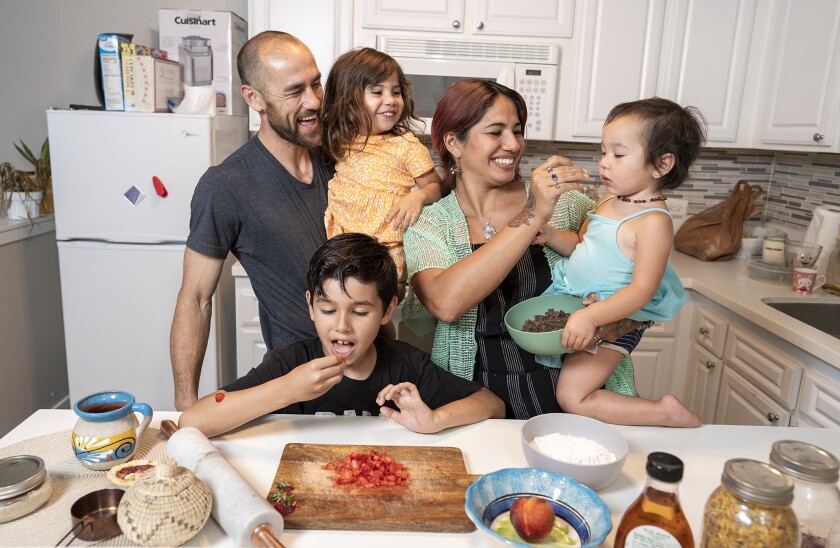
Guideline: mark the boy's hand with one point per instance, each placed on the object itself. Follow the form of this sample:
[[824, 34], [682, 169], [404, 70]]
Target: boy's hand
[[579, 331], [312, 379], [413, 413], [405, 212]]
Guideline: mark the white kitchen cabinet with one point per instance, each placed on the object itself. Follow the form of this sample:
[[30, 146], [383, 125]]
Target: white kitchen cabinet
[[653, 360], [706, 47], [800, 101], [740, 402], [707, 338], [819, 400], [764, 365], [325, 26], [694, 53], [544, 18], [250, 347], [618, 59]]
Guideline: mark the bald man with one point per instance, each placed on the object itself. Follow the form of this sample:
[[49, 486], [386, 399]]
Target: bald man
[[265, 204]]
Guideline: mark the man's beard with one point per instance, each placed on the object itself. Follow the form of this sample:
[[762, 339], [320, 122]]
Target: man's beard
[[290, 134]]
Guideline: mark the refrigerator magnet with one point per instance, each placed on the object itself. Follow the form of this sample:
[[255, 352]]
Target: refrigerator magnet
[[134, 195]]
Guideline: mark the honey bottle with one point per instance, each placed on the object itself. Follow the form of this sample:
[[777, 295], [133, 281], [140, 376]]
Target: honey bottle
[[655, 519]]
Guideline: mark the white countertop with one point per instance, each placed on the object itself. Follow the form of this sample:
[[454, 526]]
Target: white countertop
[[487, 446], [727, 283], [14, 231]]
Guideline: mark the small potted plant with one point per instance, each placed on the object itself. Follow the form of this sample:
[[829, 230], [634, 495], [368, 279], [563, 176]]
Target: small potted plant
[[24, 191]]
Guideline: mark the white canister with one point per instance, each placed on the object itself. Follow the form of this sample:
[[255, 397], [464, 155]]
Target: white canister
[[773, 250]]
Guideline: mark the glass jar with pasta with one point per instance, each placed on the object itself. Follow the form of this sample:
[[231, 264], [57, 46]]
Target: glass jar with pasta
[[751, 507]]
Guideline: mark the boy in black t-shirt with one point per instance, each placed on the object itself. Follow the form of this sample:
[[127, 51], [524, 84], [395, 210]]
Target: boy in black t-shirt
[[348, 369]]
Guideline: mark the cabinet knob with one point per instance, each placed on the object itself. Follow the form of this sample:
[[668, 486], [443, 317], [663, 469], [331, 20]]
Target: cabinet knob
[[710, 365], [479, 25], [456, 24], [772, 417], [703, 331], [818, 137]]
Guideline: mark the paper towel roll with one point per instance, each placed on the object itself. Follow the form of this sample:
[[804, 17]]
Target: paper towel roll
[[236, 506], [823, 230]]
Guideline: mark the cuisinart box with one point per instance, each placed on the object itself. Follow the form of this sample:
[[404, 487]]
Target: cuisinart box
[[206, 44]]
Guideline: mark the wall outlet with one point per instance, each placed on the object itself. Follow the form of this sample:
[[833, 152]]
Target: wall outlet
[[677, 207]]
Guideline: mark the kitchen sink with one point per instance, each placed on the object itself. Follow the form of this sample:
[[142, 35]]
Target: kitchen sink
[[822, 314]]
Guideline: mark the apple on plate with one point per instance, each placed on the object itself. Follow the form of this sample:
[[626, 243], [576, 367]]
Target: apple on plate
[[532, 518]]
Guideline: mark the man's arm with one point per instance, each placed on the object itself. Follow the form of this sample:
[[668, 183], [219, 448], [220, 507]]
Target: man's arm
[[191, 324]]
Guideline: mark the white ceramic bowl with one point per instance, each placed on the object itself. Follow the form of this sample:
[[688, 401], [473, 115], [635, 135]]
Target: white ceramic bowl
[[594, 476]]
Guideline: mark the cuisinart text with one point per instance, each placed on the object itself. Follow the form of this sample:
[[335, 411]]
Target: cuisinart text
[[194, 21]]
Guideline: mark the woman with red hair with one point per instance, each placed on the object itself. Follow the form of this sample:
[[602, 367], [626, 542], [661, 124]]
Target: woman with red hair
[[478, 251]]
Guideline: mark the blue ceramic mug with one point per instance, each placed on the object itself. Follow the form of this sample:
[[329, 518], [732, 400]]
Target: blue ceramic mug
[[107, 431]]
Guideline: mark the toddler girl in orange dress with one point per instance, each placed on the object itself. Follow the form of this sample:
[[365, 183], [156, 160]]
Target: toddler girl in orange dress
[[367, 114]]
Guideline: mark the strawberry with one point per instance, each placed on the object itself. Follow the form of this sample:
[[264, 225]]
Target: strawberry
[[283, 498]]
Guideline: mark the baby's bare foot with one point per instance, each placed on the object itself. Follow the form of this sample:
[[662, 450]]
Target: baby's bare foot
[[677, 414]]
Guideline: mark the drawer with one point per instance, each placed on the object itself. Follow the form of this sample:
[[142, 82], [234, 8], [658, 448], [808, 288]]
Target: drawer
[[709, 330], [739, 402], [764, 365], [820, 400]]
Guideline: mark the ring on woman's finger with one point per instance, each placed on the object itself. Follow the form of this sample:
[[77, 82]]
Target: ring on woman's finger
[[554, 177], [548, 169]]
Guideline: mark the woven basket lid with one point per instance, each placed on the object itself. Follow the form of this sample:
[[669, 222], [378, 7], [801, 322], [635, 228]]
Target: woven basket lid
[[166, 506]]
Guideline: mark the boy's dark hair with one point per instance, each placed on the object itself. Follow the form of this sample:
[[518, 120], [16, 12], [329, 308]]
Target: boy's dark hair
[[352, 255], [667, 128]]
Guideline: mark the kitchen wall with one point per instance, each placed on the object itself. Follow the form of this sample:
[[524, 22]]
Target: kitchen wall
[[46, 59], [794, 183]]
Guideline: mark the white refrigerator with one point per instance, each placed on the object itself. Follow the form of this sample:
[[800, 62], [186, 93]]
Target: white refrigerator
[[122, 184]]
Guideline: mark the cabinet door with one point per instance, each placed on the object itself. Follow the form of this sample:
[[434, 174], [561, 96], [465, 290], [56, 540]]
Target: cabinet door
[[436, 15], [549, 18], [653, 362], [802, 88], [619, 58], [250, 349], [706, 65], [741, 403], [709, 330], [702, 382], [820, 400]]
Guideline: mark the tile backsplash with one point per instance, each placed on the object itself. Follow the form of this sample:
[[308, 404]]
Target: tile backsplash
[[794, 183]]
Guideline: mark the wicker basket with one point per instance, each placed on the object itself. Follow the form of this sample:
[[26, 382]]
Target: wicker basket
[[165, 507]]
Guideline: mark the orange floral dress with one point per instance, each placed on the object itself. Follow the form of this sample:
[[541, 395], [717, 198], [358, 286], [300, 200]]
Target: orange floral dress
[[368, 181]]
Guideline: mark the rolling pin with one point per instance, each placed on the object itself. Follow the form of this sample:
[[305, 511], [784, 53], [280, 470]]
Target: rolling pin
[[245, 516]]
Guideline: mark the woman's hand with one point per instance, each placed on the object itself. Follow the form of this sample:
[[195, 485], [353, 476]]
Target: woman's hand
[[548, 182]]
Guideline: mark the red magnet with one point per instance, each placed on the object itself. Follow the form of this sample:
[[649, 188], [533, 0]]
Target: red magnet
[[159, 188]]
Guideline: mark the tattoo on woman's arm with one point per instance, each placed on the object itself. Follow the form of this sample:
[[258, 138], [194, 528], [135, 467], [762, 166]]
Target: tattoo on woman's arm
[[527, 212]]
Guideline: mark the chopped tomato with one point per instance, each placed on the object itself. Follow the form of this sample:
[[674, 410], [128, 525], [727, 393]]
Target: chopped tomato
[[368, 470]]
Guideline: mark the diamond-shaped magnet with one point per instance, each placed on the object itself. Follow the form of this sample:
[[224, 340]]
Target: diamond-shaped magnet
[[134, 195]]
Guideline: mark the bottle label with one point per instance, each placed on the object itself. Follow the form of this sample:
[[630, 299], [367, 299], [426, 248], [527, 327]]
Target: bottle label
[[648, 536]]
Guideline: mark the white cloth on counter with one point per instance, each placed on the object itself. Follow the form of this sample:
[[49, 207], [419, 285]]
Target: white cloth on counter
[[823, 230]]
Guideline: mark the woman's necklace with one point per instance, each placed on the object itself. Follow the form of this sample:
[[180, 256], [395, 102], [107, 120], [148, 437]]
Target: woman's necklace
[[489, 229], [638, 201]]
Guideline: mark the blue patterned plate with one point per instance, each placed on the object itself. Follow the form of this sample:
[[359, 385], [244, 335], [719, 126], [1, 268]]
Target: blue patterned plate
[[580, 506]]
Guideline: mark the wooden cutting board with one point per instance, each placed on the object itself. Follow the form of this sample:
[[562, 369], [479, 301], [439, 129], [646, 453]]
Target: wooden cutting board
[[432, 500]]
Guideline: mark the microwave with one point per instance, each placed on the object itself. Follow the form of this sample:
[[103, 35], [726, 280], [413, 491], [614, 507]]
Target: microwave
[[432, 65]]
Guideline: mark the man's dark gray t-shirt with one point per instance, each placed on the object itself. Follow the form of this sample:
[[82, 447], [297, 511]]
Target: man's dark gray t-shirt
[[253, 207]]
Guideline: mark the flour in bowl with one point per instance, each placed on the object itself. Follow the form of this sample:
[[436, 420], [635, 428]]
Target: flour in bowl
[[572, 449]]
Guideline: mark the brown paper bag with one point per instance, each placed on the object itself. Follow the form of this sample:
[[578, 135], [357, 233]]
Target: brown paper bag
[[715, 234]]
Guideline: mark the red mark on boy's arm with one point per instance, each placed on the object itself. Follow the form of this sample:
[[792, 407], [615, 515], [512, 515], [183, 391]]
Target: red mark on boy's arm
[[220, 396]]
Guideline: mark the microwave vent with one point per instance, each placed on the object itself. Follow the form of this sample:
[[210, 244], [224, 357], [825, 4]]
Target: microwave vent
[[468, 49]]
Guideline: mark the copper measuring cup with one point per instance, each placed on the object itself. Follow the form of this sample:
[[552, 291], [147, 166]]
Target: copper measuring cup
[[95, 516]]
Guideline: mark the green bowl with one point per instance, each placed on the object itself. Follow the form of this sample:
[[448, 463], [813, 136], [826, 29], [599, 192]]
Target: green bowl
[[548, 342]]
